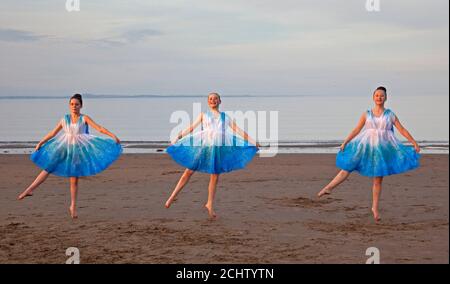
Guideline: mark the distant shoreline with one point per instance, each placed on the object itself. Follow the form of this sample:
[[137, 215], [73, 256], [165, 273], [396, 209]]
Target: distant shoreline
[[286, 147]]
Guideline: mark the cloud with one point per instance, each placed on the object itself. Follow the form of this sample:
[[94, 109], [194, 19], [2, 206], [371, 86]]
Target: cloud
[[128, 37], [232, 44], [12, 35], [139, 35]]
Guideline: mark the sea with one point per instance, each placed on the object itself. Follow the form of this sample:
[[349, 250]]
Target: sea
[[290, 124]]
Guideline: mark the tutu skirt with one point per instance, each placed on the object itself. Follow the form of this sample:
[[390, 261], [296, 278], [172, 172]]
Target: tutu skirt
[[213, 159], [83, 155], [382, 156]]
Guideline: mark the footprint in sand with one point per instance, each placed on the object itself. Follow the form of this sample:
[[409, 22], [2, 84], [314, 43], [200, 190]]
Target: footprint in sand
[[300, 201], [14, 225], [170, 173]]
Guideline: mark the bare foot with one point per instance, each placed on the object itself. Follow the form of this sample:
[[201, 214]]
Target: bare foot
[[169, 202], [23, 195], [73, 212], [376, 215], [323, 192], [211, 212]]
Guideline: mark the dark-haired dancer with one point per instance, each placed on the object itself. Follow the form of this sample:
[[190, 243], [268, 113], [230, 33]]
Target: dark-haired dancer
[[75, 153], [375, 152]]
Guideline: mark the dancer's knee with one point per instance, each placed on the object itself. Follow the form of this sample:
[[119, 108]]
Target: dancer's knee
[[73, 181], [377, 181]]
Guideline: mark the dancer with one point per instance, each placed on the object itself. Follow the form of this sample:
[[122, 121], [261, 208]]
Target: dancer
[[213, 150], [375, 152], [75, 153]]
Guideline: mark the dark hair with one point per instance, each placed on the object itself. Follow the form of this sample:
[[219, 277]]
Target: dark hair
[[380, 88], [77, 97]]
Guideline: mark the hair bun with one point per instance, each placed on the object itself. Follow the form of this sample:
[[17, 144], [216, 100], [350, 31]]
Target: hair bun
[[77, 97]]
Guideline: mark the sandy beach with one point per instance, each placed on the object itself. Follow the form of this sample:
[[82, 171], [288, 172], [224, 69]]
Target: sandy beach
[[268, 213]]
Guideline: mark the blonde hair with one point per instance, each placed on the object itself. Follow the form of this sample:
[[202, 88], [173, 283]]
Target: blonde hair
[[214, 94]]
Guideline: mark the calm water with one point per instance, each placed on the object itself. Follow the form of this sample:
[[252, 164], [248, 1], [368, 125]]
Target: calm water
[[301, 119]]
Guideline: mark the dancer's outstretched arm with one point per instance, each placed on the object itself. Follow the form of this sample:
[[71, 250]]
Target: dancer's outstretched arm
[[49, 136], [355, 131], [189, 129], [403, 131], [100, 128], [242, 133]]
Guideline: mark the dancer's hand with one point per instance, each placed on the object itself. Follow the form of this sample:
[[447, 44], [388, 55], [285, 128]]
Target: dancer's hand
[[117, 139], [173, 142], [258, 145], [38, 146], [342, 147], [416, 147]]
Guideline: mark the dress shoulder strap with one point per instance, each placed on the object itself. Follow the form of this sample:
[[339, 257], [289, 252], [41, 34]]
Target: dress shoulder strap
[[84, 123], [66, 119], [222, 117]]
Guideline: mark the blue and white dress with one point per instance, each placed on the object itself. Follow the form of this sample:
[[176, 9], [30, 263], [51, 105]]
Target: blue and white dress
[[375, 151], [76, 153], [215, 149]]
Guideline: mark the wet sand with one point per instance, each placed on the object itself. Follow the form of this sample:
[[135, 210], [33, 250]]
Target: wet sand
[[268, 213]]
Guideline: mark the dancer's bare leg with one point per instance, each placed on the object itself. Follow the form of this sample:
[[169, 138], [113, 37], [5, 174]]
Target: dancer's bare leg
[[38, 181], [376, 193], [211, 193], [338, 179], [73, 197], [181, 183]]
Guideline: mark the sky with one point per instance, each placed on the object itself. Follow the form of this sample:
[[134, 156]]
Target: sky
[[236, 47]]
